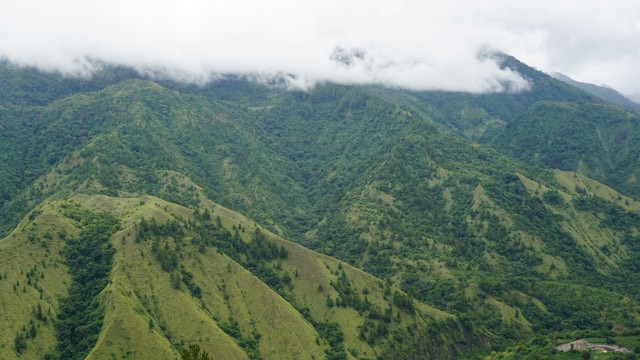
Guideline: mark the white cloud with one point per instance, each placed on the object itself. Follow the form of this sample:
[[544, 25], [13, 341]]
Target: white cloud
[[411, 44]]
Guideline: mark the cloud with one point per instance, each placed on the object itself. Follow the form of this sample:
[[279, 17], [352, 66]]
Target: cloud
[[409, 44], [597, 42]]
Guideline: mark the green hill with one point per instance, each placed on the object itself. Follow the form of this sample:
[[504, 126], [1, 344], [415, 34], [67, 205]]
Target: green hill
[[211, 277]]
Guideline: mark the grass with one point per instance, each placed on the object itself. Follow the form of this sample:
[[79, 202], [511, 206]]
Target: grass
[[582, 226], [510, 315], [569, 180], [32, 245]]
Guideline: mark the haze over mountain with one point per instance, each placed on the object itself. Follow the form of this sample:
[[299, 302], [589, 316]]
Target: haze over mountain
[[409, 44], [141, 215]]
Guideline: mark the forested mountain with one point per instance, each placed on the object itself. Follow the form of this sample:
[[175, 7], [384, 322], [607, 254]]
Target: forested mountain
[[603, 92], [140, 216], [470, 115]]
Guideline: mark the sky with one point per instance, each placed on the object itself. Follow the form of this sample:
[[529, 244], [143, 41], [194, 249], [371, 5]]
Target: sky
[[422, 45]]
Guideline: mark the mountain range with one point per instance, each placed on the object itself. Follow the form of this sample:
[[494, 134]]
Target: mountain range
[[140, 215]]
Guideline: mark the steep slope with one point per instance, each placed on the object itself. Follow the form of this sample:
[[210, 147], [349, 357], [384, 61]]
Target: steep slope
[[554, 124], [35, 279]]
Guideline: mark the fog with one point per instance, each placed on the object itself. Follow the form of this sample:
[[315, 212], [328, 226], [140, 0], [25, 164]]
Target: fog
[[408, 44]]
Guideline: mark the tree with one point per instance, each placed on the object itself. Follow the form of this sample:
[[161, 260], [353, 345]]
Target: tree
[[193, 353], [19, 343]]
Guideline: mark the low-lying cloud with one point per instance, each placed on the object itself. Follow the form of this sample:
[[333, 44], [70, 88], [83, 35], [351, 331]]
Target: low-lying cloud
[[409, 44]]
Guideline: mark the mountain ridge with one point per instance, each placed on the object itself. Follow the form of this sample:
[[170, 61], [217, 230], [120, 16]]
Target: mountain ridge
[[602, 91]]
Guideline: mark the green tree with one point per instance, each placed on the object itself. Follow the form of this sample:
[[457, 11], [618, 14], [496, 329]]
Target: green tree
[[193, 352], [19, 343]]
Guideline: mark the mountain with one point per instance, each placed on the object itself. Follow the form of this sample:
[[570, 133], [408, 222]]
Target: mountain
[[554, 125], [603, 92], [347, 222], [471, 115]]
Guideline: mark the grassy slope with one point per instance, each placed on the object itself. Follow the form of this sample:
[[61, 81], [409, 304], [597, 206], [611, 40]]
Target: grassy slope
[[18, 256], [584, 226], [249, 299], [145, 316]]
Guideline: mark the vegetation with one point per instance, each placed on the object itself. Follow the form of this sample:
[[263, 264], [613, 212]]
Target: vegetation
[[545, 346], [463, 249], [193, 352], [596, 139], [89, 259]]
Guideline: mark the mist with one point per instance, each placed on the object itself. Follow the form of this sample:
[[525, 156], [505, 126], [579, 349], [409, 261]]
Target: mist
[[408, 44]]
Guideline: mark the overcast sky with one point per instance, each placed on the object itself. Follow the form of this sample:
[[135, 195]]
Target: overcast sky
[[412, 44]]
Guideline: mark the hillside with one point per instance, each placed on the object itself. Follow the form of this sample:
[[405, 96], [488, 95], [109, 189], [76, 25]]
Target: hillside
[[597, 140], [191, 206], [178, 277]]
